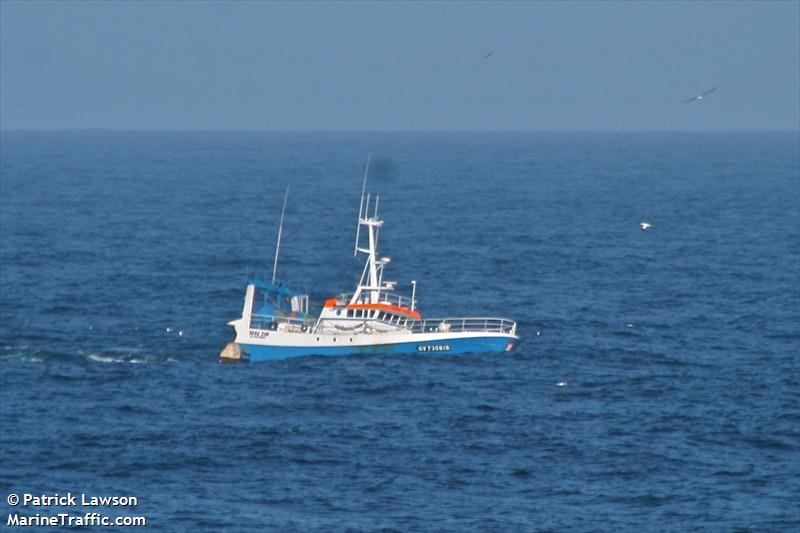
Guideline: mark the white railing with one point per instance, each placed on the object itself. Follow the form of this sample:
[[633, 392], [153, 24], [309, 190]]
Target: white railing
[[274, 322], [385, 298], [460, 325], [432, 325]]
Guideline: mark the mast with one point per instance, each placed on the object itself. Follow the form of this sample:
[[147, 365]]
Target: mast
[[280, 232], [371, 278]]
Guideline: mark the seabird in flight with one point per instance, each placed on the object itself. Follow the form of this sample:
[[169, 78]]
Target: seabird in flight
[[645, 225], [700, 96], [487, 56]]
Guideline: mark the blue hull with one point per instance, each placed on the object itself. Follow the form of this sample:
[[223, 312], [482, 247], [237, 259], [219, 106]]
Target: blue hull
[[255, 352]]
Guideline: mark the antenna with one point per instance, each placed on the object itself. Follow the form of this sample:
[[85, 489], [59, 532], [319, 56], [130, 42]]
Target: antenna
[[377, 228], [280, 231], [361, 205]]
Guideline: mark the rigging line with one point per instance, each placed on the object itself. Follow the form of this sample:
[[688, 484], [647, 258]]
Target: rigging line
[[361, 205], [280, 232]]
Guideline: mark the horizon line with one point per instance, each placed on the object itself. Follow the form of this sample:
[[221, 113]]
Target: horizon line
[[397, 130]]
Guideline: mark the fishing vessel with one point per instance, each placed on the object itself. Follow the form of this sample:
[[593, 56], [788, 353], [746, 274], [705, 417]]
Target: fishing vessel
[[374, 318]]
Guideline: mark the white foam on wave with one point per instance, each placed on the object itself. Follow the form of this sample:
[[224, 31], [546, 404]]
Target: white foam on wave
[[103, 359], [127, 358], [20, 354], [22, 358]]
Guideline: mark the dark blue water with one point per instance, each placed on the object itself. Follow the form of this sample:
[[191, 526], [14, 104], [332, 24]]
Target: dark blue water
[[124, 254]]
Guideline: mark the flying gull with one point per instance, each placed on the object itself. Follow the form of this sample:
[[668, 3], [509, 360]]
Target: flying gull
[[645, 225], [700, 96], [487, 56]]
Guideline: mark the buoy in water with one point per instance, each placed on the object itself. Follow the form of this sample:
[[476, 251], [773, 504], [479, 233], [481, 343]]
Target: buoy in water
[[232, 352]]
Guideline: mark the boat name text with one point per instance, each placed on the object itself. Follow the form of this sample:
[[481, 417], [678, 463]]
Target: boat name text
[[433, 348]]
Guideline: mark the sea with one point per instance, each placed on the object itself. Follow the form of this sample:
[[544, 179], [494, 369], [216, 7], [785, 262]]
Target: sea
[[656, 385]]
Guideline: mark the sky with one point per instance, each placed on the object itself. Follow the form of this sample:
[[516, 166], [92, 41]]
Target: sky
[[399, 66]]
